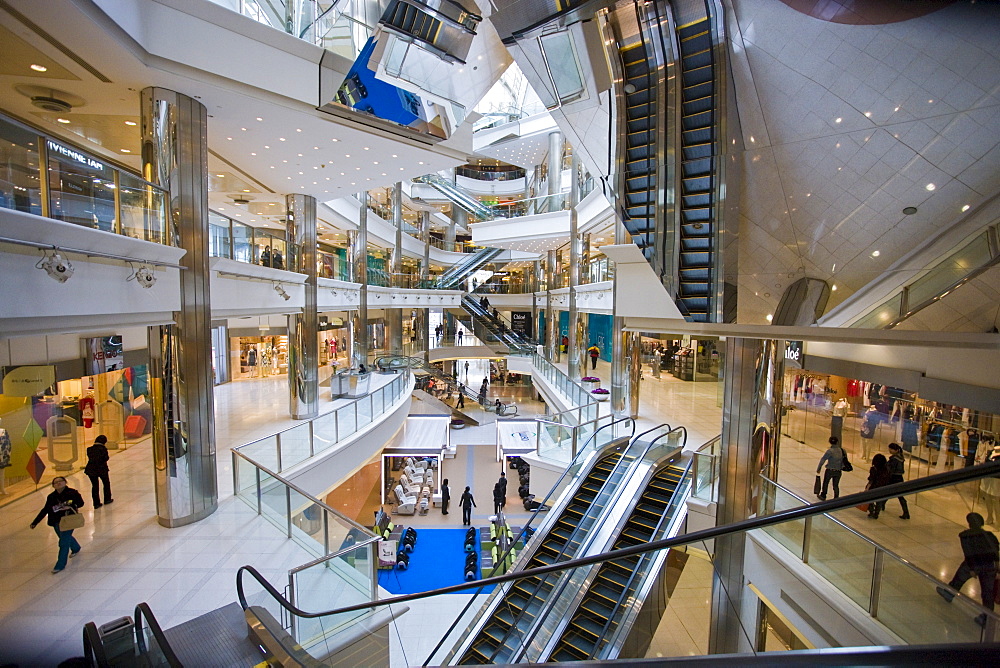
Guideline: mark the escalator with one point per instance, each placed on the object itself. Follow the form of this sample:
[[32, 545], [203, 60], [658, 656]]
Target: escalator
[[458, 195], [457, 274], [640, 147], [443, 27], [488, 327], [613, 589], [699, 148], [499, 638]]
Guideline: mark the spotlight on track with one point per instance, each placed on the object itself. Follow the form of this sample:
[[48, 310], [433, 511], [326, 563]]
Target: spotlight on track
[[281, 291], [56, 266]]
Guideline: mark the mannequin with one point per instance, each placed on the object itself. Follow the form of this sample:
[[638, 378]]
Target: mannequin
[[252, 361], [837, 419], [869, 423], [265, 362]]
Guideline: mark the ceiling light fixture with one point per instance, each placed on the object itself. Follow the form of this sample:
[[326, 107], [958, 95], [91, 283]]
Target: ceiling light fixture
[[56, 266], [930, 186], [875, 253], [39, 68], [910, 210], [131, 123], [965, 208], [62, 120]]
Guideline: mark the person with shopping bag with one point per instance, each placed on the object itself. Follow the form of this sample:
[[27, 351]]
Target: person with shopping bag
[[62, 508]]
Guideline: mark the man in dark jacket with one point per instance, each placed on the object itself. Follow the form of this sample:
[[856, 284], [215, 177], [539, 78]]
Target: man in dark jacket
[[468, 503], [499, 497], [445, 496], [63, 500], [982, 552], [97, 470]]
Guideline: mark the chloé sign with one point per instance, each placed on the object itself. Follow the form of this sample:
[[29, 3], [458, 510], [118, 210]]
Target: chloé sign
[[793, 353]]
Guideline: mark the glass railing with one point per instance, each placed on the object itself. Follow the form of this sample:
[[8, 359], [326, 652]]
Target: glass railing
[[902, 597], [482, 174], [705, 470], [79, 188], [935, 283], [342, 26]]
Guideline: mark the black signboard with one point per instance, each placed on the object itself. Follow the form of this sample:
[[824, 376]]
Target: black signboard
[[520, 322]]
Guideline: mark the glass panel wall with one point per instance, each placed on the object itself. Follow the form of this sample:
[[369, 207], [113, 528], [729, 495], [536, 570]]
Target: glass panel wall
[[81, 188], [20, 187]]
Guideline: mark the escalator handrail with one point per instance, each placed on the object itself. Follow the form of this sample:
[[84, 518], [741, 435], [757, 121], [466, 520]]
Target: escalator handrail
[[93, 647], [668, 518], [582, 535], [520, 535], [142, 611], [906, 488]]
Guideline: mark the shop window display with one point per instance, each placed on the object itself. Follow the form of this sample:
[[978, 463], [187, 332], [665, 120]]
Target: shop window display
[[47, 433], [868, 416]]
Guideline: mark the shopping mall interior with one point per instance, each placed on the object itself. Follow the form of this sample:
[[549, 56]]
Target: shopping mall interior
[[458, 333]]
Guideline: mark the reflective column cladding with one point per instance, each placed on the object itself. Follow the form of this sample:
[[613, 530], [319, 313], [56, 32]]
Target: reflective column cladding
[[551, 321], [626, 363], [175, 157], [751, 408], [303, 345], [423, 324], [576, 359], [394, 316], [359, 274]]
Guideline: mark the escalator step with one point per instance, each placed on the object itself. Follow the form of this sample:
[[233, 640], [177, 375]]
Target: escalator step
[[695, 259], [692, 28], [697, 75], [699, 119], [696, 184], [697, 90], [696, 304], [697, 215], [696, 136], [640, 124], [693, 289], [696, 199], [697, 59]]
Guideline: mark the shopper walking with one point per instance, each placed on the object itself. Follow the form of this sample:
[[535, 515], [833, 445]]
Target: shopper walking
[[97, 470], [594, 353], [499, 498], [878, 476], [445, 496], [459, 337], [461, 396], [468, 503], [896, 469], [834, 458], [62, 501], [982, 552], [482, 393]]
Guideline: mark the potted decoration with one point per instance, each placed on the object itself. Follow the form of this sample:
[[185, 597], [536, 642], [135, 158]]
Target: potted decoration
[[600, 394], [591, 382]]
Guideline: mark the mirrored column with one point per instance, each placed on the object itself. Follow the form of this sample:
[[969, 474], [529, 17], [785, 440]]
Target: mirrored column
[[175, 157], [394, 316], [303, 342]]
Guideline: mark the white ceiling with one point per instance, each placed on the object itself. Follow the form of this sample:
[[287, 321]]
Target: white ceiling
[[844, 127]]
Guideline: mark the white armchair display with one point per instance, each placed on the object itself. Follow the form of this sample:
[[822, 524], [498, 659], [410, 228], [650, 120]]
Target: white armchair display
[[410, 488], [405, 503], [416, 477], [417, 466]]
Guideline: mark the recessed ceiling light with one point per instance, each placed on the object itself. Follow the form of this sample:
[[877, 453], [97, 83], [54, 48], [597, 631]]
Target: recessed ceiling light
[[347, 156], [39, 68], [868, 114], [834, 287], [366, 148], [62, 120], [875, 253], [229, 138], [930, 186], [259, 118], [910, 210], [244, 129], [965, 208], [266, 146], [281, 139], [245, 190], [125, 150], [837, 120], [298, 129], [253, 154], [130, 123], [221, 175]]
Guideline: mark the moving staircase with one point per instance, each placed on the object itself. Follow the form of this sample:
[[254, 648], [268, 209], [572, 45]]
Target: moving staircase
[[491, 327], [696, 284], [614, 587], [444, 27], [458, 195], [453, 278], [499, 638], [640, 147]]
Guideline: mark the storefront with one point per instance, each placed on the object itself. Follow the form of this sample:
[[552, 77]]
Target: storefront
[[260, 356], [46, 424]]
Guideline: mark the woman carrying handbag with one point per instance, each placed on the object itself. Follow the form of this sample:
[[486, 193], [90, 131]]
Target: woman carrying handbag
[[62, 507]]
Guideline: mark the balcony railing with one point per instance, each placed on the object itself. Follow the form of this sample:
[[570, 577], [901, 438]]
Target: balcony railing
[[76, 186]]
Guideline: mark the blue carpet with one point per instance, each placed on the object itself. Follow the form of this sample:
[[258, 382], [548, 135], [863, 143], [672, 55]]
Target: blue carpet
[[437, 560]]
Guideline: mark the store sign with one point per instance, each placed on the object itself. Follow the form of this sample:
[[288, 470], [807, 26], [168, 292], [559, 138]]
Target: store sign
[[27, 381], [520, 322], [793, 354], [74, 155]]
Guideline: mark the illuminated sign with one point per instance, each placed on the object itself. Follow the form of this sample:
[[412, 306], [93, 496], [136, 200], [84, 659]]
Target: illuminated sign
[[793, 353], [74, 155], [27, 381]]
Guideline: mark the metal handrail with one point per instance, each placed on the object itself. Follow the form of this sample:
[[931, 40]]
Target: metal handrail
[[333, 555], [879, 548], [93, 647], [527, 524], [889, 491], [142, 611]]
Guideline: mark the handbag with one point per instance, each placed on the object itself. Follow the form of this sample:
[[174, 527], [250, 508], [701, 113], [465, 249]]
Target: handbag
[[73, 520], [817, 486], [847, 467]]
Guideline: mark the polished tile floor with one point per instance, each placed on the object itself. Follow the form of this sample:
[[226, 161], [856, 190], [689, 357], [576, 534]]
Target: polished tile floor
[[127, 557]]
